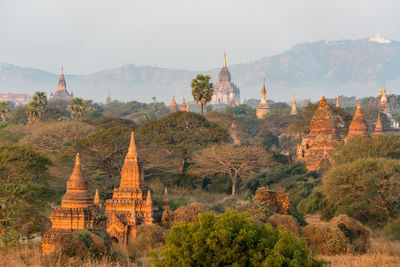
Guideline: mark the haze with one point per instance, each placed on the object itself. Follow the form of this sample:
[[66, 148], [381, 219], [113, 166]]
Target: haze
[[92, 35]]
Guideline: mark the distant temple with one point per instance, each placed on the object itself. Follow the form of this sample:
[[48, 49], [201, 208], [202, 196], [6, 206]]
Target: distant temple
[[131, 203], [294, 109], [378, 126], [358, 127], [322, 139], [61, 94], [108, 99], [385, 109], [76, 211], [173, 106], [184, 106], [225, 92], [262, 108], [16, 99]]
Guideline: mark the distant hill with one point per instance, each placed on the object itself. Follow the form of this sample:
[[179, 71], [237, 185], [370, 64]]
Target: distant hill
[[309, 70]]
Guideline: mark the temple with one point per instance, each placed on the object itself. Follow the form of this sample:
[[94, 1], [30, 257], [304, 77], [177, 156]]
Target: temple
[[16, 99], [77, 211], [225, 92], [131, 203], [184, 107], [358, 127], [378, 126], [173, 106], [61, 93], [385, 109], [322, 139], [262, 108], [108, 99], [294, 109]]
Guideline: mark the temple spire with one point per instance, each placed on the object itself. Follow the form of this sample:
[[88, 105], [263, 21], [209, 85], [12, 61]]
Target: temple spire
[[294, 109], [378, 127], [337, 102], [132, 146], [224, 59], [358, 126], [97, 198]]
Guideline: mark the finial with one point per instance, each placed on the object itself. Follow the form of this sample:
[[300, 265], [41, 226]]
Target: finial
[[77, 160], [358, 105], [132, 146], [148, 199], [97, 197], [224, 59]]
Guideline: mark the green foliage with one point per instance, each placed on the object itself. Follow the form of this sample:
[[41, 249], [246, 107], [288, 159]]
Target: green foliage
[[365, 189], [202, 90], [77, 107], [37, 107], [242, 109], [182, 133], [233, 239], [4, 110], [391, 230], [24, 192]]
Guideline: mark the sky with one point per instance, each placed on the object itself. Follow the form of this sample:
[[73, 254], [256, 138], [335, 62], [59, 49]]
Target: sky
[[92, 35]]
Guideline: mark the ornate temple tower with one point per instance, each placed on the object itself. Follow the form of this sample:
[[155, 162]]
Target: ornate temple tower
[[183, 105], [322, 139], [262, 108], [385, 109], [76, 211], [294, 109], [61, 93], [131, 203], [173, 106], [225, 92], [378, 126], [358, 127], [108, 99]]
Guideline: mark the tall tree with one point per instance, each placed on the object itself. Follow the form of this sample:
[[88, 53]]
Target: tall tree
[[182, 133], [4, 110], [77, 108], [238, 162], [37, 107], [202, 90]]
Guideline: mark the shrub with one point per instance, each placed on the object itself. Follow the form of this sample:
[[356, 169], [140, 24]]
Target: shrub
[[327, 239], [286, 221], [357, 234], [392, 229], [183, 214], [147, 237], [233, 239]]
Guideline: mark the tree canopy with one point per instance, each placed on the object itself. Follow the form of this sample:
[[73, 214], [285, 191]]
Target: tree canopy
[[202, 90]]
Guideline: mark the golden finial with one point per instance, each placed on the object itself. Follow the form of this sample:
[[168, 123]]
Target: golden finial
[[263, 90], [224, 59], [132, 146]]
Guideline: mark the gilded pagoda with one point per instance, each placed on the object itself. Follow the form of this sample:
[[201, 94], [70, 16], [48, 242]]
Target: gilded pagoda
[[61, 93]]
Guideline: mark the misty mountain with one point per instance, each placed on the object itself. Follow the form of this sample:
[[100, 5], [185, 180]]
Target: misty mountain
[[309, 70]]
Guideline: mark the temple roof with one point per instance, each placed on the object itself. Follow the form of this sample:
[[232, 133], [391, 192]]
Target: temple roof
[[224, 75], [358, 127], [323, 120], [132, 172], [173, 106], [77, 195], [62, 85], [378, 127]]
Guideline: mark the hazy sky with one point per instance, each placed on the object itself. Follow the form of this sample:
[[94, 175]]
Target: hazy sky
[[91, 35]]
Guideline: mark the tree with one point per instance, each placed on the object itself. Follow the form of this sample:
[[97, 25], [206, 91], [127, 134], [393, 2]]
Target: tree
[[77, 108], [202, 90], [181, 133], [4, 110], [24, 192], [366, 189], [37, 107], [233, 239], [238, 162]]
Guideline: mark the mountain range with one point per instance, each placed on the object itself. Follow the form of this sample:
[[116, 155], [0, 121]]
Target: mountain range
[[308, 70]]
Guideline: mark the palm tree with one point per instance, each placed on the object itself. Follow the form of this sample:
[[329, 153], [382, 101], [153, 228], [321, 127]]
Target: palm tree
[[34, 112], [77, 108], [4, 110], [202, 90]]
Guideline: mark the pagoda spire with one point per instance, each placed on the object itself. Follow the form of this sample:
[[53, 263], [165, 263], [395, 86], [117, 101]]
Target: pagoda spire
[[294, 109], [173, 106], [132, 146], [337, 102], [97, 198], [77, 195], [358, 127], [378, 126], [132, 171], [224, 59], [183, 105]]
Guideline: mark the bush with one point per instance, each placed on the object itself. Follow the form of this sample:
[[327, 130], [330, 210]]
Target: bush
[[286, 221], [326, 238], [233, 239], [183, 214], [357, 234], [147, 237]]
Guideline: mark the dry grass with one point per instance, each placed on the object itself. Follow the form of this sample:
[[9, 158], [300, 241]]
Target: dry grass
[[381, 254], [32, 256]]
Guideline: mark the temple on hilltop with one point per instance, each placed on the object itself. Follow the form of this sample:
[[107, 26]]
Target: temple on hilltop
[[131, 203], [173, 106], [225, 91], [358, 127], [184, 106], [77, 211], [322, 139], [294, 109], [262, 108], [61, 93]]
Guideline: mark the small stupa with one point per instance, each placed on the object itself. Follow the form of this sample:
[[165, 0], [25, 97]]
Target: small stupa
[[183, 105], [294, 109], [262, 108], [173, 106], [358, 127], [378, 126]]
